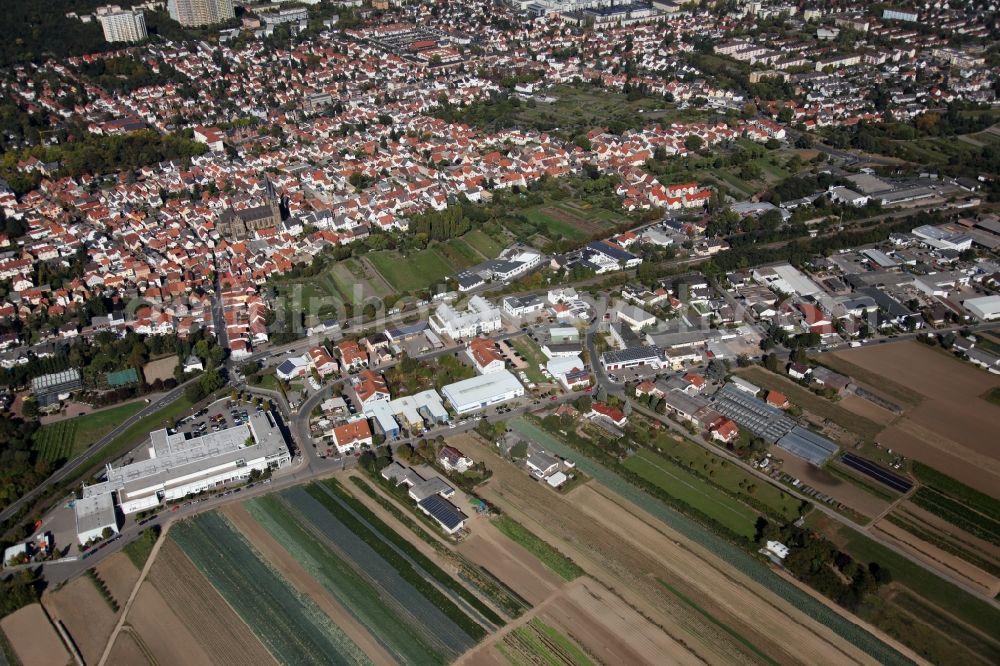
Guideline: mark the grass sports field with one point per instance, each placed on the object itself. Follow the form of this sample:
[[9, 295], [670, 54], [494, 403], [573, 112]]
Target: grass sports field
[[64, 440]]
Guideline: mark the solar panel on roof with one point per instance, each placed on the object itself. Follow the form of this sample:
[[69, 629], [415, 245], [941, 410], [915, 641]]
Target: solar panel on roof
[[443, 511]]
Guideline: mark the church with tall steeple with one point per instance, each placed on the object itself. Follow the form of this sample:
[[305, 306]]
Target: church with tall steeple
[[240, 224]]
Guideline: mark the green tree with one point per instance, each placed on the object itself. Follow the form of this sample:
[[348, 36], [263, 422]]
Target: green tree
[[519, 451], [693, 142], [29, 408]]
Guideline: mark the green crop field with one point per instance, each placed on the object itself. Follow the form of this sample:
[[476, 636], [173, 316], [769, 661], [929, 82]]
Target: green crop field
[[538, 643], [402, 566], [343, 580], [958, 514], [419, 270], [555, 228], [961, 637], [55, 442], [549, 556], [63, 440], [896, 619], [292, 627], [688, 454], [426, 615], [346, 581], [482, 242], [691, 490], [957, 490], [386, 536], [488, 585], [934, 589]]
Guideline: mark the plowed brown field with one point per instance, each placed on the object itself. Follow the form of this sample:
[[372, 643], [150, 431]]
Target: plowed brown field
[[217, 630], [86, 616], [629, 552], [949, 427], [33, 638]]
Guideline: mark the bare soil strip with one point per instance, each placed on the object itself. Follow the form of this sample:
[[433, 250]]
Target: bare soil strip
[[752, 609], [867, 409], [913, 440], [303, 582], [216, 627], [127, 651], [34, 639], [158, 629], [607, 628], [844, 491], [627, 550], [510, 562], [950, 427], [120, 575], [939, 559], [86, 616]]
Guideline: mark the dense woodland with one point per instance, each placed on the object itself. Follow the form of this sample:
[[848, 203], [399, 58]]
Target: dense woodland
[[88, 153], [31, 31], [124, 74]]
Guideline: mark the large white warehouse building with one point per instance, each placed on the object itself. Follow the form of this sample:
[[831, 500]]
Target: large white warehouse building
[[986, 308], [480, 317], [178, 466], [482, 391]]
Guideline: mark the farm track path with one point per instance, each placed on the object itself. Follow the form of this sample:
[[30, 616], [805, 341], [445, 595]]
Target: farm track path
[[892, 506], [470, 656], [135, 592]]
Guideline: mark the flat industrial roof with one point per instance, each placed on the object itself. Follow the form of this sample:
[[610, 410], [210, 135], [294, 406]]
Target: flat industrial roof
[[410, 406], [482, 388], [175, 456], [95, 512]]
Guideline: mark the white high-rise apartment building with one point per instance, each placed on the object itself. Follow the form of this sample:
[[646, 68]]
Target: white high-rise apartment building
[[122, 25], [200, 12]]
